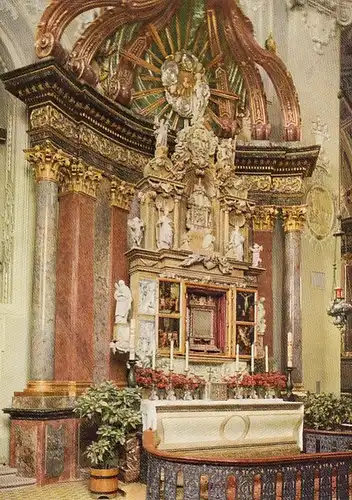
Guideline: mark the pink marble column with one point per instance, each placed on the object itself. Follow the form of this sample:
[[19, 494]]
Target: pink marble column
[[294, 218], [74, 339]]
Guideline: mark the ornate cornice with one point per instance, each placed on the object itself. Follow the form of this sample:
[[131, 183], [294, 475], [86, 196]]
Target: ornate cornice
[[340, 10], [47, 161], [79, 178], [264, 218], [121, 194], [294, 218]]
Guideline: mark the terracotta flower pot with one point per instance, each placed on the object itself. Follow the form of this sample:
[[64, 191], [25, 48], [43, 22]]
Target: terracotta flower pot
[[103, 481]]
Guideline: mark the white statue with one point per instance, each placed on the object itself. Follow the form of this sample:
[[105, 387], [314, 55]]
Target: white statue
[[236, 243], [200, 98], [160, 131], [165, 231], [136, 227], [208, 242], [261, 321], [256, 260], [123, 299]]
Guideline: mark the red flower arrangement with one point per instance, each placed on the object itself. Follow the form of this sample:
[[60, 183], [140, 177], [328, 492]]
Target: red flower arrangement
[[147, 377], [274, 380]]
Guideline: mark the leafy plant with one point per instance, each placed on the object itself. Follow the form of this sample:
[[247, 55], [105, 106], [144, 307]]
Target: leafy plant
[[326, 411], [116, 413]]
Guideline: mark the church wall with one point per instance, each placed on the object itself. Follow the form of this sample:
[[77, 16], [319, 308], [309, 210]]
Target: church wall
[[316, 77]]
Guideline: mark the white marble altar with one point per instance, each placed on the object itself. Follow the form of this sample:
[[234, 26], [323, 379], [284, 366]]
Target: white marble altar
[[252, 427]]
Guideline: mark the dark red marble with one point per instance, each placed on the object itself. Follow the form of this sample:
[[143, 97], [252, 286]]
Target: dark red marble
[[74, 359], [265, 283], [30, 456], [119, 270]]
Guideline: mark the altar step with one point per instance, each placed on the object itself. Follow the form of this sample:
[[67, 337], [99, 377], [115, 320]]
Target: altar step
[[9, 479]]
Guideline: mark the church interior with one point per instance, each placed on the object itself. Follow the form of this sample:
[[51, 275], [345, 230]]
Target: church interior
[[176, 218]]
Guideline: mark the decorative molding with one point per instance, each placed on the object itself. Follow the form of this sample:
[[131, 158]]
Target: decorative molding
[[8, 6], [294, 218], [264, 218], [122, 194], [47, 161], [79, 178], [254, 5]]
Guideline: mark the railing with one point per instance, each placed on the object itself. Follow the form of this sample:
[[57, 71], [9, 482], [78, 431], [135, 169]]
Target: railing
[[304, 477], [316, 441]]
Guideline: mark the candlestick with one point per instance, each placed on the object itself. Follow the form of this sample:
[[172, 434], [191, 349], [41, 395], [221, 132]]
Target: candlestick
[[187, 356], [289, 385], [131, 378], [170, 396], [266, 359], [289, 350], [252, 358], [237, 366], [171, 355]]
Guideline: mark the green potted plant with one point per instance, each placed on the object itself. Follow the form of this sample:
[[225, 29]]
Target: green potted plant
[[116, 414]]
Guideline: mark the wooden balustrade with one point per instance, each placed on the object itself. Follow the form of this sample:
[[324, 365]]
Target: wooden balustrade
[[317, 476]]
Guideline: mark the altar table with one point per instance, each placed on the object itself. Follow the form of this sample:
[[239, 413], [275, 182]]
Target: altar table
[[236, 428]]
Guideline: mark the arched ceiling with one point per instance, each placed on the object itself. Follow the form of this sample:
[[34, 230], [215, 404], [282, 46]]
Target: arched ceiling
[[147, 55]]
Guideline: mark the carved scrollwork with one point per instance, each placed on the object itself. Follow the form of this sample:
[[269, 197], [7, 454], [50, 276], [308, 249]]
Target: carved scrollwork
[[161, 166], [287, 185], [79, 178], [47, 161], [121, 193], [294, 217], [257, 182], [264, 218]]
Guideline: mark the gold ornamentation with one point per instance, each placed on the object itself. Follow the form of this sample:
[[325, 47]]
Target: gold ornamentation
[[122, 194], [320, 211], [294, 217], [80, 178], [287, 185], [238, 206], [257, 182], [270, 44], [47, 161], [161, 166], [264, 218]]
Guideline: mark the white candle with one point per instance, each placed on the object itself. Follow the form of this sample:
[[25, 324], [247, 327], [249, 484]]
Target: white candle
[[132, 346], [187, 355], [252, 358], [289, 350], [171, 355], [154, 356], [266, 359], [237, 368]]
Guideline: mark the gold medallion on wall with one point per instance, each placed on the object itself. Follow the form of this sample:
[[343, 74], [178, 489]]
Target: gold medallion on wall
[[320, 211]]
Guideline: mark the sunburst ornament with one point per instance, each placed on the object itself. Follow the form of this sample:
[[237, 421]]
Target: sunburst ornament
[[185, 83]]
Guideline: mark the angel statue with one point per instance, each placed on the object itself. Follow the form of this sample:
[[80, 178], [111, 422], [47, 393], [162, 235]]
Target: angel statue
[[256, 259], [236, 243], [161, 128]]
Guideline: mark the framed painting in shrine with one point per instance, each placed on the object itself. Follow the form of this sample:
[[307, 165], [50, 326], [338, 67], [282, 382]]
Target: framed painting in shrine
[[245, 318], [169, 316], [206, 326]]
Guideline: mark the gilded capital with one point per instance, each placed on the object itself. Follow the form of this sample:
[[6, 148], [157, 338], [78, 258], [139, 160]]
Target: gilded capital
[[294, 217], [79, 178], [122, 194], [47, 161], [264, 218]]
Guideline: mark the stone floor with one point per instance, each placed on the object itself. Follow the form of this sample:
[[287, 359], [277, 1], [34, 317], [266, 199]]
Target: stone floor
[[70, 491]]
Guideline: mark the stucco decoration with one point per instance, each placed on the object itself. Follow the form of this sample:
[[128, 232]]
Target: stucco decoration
[[320, 211]]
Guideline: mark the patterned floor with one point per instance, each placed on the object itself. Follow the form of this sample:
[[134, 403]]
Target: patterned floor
[[70, 491]]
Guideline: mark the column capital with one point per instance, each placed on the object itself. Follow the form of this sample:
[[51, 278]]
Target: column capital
[[121, 194], [294, 217], [47, 161], [264, 218], [79, 178]]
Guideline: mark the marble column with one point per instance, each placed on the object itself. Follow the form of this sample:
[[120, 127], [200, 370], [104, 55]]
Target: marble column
[[47, 162], [263, 226], [294, 219], [122, 195], [74, 339]]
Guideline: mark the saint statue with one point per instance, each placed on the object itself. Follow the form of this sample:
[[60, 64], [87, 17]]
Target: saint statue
[[136, 227], [236, 243], [123, 299], [256, 260], [164, 231], [201, 94], [160, 131], [261, 321]]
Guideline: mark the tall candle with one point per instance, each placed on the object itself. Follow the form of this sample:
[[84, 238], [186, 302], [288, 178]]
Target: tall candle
[[266, 359], [154, 356], [187, 355], [289, 350], [237, 368], [252, 358], [171, 355], [132, 349]]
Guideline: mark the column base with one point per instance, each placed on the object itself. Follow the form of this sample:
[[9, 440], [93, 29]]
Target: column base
[[45, 432]]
